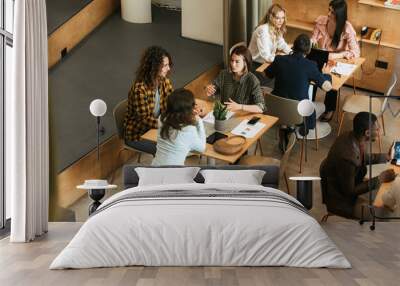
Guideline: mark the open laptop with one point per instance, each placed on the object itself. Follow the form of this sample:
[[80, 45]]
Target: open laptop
[[318, 56]]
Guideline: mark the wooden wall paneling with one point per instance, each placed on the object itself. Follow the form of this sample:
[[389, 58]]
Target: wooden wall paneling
[[78, 27]]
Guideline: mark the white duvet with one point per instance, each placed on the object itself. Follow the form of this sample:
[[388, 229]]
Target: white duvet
[[191, 231]]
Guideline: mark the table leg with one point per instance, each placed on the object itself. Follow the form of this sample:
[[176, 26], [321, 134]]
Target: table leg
[[211, 161], [96, 195], [304, 193]]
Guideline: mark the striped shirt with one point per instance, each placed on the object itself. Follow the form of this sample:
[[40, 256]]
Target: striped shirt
[[247, 90]]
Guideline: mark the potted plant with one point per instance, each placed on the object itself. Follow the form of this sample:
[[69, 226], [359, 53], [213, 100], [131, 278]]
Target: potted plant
[[220, 112]]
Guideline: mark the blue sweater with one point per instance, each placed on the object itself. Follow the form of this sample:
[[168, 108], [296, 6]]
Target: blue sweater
[[181, 142]]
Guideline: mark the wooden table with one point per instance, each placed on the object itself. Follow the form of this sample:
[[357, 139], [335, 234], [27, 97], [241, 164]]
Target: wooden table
[[269, 121], [378, 202], [337, 82]]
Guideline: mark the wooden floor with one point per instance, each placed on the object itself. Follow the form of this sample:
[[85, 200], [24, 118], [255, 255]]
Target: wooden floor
[[375, 257]]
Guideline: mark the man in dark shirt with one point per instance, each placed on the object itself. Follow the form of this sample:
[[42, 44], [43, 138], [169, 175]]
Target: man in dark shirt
[[293, 74], [343, 171]]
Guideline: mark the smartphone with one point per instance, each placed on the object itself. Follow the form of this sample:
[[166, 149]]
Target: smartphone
[[214, 137], [396, 153], [253, 120], [396, 150]]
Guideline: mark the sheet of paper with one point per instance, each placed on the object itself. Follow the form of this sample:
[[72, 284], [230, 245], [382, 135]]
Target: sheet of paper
[[246, 130], [343, 68], [209, 118]]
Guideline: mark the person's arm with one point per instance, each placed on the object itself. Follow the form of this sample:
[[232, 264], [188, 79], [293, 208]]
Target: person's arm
[[214, 89], [257, 98], [354, 48], [140, 106], [265, 45], [168, 89], [283, 46], [270, 71], [347, 175], [322, 80], [198, 142]]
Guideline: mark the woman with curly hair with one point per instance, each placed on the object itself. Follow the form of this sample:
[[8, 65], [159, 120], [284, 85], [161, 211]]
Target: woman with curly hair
[[180, 130], [147, 97]]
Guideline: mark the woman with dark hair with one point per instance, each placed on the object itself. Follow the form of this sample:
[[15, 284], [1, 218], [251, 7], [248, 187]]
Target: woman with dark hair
[[336, 35], [147, 97], [180, 130], [237, 87]]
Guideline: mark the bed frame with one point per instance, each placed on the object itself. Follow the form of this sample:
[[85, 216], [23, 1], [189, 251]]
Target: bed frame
[[270, 179]]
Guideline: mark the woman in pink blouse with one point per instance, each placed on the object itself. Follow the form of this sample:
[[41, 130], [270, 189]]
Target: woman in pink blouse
[[336, 35]]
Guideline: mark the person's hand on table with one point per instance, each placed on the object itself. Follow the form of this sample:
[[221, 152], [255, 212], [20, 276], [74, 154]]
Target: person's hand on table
[[387, 176], [233, 106], [211, 90], [340, 55], [326, 68]]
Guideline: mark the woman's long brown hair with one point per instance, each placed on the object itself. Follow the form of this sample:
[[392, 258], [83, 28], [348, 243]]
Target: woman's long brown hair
[[179, 112], [150, 65]]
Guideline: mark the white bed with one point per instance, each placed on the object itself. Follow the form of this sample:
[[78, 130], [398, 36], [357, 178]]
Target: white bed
[[222, 225]]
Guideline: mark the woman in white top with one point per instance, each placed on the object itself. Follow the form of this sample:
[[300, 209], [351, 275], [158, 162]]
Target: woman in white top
[[267, 39], [180, 130]]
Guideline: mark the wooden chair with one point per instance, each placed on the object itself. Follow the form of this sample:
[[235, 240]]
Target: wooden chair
[[254, 160], [359, 103]]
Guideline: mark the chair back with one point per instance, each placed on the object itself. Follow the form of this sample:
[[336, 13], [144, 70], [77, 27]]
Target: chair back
[[392, 84], [283, 108], [119, 116], [286, 155], [237, 45]]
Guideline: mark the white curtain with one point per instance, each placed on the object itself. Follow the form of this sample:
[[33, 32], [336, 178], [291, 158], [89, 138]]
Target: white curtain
[[27, 140]]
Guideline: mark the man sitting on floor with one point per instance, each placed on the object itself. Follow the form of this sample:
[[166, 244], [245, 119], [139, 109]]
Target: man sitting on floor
[[343, 170]]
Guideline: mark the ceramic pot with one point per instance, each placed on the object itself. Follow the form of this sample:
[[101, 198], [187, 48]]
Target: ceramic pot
[[220, 125]]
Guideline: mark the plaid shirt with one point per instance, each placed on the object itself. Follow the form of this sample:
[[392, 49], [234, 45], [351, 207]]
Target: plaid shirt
[[139, 116]]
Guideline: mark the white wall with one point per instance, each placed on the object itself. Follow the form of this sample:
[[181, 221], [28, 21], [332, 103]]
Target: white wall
[[203, 20]]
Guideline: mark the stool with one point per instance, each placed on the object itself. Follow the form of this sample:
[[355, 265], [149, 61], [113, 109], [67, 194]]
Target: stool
[[304, 190]]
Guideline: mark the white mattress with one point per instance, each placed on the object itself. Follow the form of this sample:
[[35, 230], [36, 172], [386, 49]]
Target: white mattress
[[189, 231]]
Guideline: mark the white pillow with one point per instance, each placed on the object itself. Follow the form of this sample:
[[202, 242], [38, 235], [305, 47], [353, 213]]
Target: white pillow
[[166, 176], [249, 177]]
